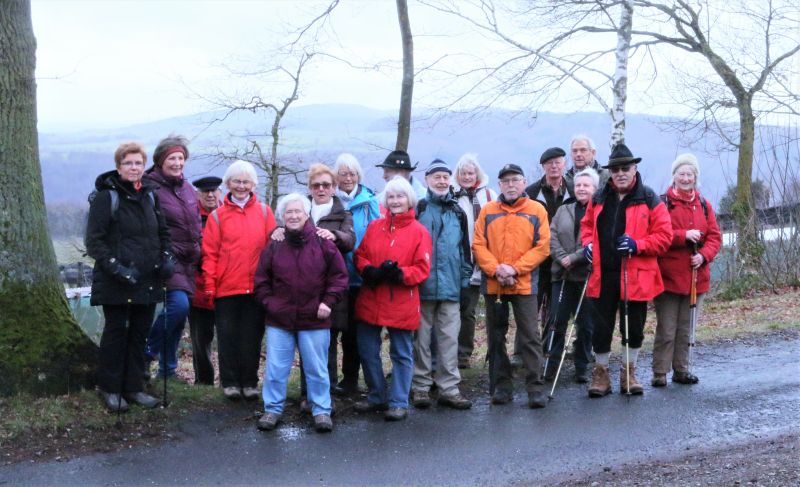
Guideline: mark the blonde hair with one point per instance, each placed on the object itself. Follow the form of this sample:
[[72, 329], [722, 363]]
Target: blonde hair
[[318, 169]]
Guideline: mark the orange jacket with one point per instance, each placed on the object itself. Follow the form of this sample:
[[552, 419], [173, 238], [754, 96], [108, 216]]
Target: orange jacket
[[232, 242], [518, 235]]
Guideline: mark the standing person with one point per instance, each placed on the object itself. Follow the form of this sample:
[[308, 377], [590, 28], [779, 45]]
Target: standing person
[[696, 240], [299, 281], [398, 163], [393, 258], [128, 239], [512, 239], [473, 192], [201, 313], [440, 293], [233, 239], [179, 204], [584, 155], [626, 228], [363, 205], [570, 270]]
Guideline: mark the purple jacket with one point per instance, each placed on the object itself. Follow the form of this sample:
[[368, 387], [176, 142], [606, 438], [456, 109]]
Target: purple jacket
[[179, 204], [294, 276]]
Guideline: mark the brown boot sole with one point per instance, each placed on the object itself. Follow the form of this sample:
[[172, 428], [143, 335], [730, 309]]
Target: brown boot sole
[[634, 391], [597, 393]]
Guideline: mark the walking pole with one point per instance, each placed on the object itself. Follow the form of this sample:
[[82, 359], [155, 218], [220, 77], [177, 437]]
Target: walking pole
[[164, 402], [491, 352], [692, 311], [627, 336], [569, 337], [551, 324]]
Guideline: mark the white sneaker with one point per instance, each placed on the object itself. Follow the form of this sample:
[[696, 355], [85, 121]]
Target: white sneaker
[[250, 393], [232, 393]]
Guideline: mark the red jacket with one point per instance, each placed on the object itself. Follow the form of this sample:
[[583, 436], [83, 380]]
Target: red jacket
[[201, 299], [647, 222], [403, 239], [232, 243], [676, 268]]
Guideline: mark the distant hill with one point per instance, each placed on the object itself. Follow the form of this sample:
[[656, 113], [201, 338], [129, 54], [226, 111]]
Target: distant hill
[[71, 161]]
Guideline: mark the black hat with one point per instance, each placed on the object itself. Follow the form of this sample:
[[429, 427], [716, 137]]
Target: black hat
[[621, 156], [397, 159], [208, 183], [551, 153], [510, 168], [437, 165]]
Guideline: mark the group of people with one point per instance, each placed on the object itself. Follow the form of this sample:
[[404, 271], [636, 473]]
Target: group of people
[[343, 264]]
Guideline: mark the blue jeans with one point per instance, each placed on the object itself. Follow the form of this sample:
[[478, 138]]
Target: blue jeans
[[400, 351], [177, 307], [313, 345]]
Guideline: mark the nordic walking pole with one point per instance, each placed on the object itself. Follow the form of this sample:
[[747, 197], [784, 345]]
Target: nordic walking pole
[[164, 402], [552, 325], [625, 297], [569, 337], [692, 310]]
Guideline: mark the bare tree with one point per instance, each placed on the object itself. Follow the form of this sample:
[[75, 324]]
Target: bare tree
[[407, 91]]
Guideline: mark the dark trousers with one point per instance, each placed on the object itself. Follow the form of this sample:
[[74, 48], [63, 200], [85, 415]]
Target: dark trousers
[[466, 335], [560, 314], [524, 307], [611, 302], [201, 329], [120, 365], [240, 332]]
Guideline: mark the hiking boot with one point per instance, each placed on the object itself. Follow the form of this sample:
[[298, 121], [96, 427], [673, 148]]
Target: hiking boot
[[232, 393], [601, 382], [323, 423], [582, 376], [635, 388], [502, 396], [659, 380], [113, 402], [250, 393], [537, 399], [684, 378], [395, 414], [420, 399], [268, 421], [463, 362], [368, 407], [145, 400], [455, 401]]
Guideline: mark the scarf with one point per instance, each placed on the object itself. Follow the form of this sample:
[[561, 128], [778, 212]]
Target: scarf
[[320, 211], [348, 197], [674, 193], [240, 202]]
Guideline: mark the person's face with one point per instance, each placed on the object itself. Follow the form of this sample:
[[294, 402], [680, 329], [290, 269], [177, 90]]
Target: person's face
[[582, 155], [322, 188], [584, 189], [209, 199], [240, 186], [512, 185], [131, 167], [389, 173], [623, 176], [438, 182], [173, 164], [554, 168], [467, 177], [294, 215], [347, 179], [397, 202], [684, 178]]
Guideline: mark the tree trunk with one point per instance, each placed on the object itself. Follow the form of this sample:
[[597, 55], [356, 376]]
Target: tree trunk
[[274, 170], [620, 88], [747, 241], [43, 349], [406, 94]]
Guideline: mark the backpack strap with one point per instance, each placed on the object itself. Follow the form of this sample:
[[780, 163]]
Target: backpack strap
[[422, 205], [703, 203], [215, 216], [488, 194]]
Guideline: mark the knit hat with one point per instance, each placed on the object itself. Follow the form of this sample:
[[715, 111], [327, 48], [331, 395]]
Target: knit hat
[[686, 160], [437, 165], [551, 153]]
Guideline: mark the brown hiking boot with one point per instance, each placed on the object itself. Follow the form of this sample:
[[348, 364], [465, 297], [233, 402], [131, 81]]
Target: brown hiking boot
[[601, 382], [636, 388]]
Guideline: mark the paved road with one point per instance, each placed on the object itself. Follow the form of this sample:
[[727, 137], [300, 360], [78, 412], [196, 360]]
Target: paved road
[[748, 390]]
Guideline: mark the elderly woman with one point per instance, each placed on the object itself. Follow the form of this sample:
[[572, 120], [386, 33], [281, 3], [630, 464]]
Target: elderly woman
[[299, 281], [234, 236], [128, 239], [570, 269], [363, 205], [696, 240], [393, 259], [179, 204], [473, 192]]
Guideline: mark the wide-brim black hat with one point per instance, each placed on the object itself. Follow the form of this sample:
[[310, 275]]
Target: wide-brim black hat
[[621, 156], [397, 160], [208, 183]]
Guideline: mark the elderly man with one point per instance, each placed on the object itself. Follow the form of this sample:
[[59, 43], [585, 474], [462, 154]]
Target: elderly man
[[398, 163], [625, 228], [583, 153], [512, 239]]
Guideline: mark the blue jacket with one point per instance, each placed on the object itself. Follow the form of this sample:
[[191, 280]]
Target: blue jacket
[[451, 264], [364, 208]]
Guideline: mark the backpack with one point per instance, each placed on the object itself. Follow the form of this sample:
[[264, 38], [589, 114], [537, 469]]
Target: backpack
[[670, 205], [115, 201]]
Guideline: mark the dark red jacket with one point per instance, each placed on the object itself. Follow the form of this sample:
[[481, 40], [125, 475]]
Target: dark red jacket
[[201, 299], [293, 279], [403, 239], [676, 268]]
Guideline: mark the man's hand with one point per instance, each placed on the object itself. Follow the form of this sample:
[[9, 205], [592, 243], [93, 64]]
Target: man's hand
[[566, 262], [504, 271]]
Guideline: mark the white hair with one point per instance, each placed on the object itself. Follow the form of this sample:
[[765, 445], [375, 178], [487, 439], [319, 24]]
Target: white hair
[[584, 138], [290, 198], [470, 159], [240, 167], [591, 174], [348, 161], [399, 184]]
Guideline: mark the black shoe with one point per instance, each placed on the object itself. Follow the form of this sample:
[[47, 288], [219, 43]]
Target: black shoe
[[268, 421], [502, 396], [142, 399], [368, 407], [582, 376], [537, 399], [345, 388], [323, 423], [113, 402], [395, 414]]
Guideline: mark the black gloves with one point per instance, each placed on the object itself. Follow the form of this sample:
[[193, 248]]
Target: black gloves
[[372, 276], [391, 273], [167, 265], [128, 275]]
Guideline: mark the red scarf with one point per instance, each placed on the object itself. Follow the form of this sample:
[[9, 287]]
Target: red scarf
[[681, 195], [137, 185]]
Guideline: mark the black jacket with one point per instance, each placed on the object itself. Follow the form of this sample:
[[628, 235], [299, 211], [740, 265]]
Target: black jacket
[[135, 236]]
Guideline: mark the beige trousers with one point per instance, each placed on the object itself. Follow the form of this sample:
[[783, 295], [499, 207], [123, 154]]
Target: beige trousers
[[444, 319], [671, 347]]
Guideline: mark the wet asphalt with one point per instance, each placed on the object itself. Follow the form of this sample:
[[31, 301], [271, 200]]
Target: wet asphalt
[[748, 390]]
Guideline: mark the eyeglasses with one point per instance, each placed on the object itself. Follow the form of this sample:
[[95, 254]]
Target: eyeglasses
[[616, 169], [325, 185], [241, 182], [514, 180], [345, 175]]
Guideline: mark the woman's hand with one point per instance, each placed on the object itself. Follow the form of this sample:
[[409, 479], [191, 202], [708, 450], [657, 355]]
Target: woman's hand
[[324, 311], [326, 234], [693, 235], [697, 260], [566, 262], [278, 234]]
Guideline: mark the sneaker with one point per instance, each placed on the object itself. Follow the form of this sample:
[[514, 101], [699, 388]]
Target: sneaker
[[113, 402], [420, 399], [250, 393], [659, 380], [455, 401], [684, 378], [268, 421], [145, 400], [233, 393], [537, 400], [323, 423], [502, 396], [368, 407], [395, 414]]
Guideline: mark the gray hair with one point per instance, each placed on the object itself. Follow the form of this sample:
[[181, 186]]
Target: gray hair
[[240, 167], [166, 143], [399, 184], [471, 159], [583, 137], [591, 174], [348, 161], [291, 198]]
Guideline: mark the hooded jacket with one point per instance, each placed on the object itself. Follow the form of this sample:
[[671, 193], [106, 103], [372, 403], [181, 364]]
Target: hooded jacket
[[365, 209], [135, 236], [483, 194]]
